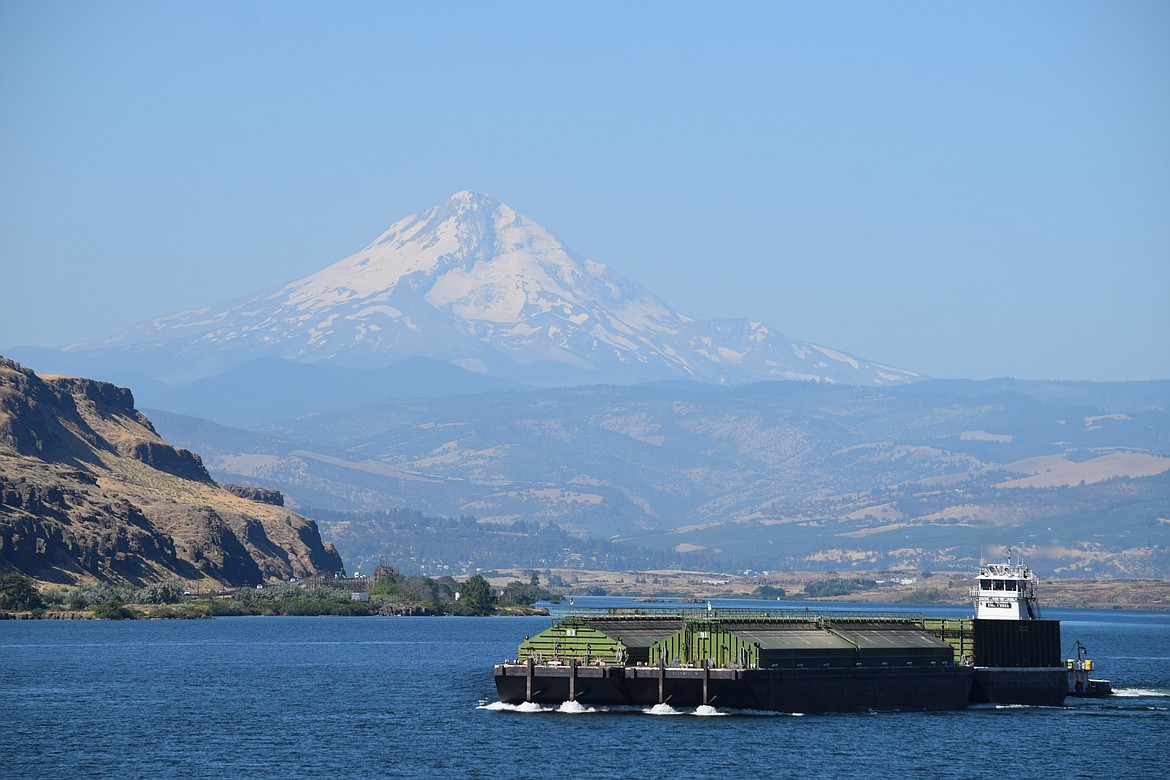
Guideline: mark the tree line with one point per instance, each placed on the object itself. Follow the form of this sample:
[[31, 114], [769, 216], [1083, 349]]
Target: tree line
[[389, 592]]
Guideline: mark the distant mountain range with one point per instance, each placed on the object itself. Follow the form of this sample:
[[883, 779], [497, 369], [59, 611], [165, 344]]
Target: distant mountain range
[[471, 283], [775, 475]]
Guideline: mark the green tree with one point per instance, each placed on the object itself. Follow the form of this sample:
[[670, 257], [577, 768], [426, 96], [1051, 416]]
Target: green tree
[[517, 592], [419, 590], [475, 596], [17, 592], [770, 592]]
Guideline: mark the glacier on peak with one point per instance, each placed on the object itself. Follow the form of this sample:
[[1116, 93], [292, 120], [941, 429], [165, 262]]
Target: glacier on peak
[[472, 282]]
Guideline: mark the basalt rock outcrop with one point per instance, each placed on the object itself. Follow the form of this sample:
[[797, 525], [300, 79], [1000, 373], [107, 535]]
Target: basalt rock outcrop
[[89, 492], [262, 495]]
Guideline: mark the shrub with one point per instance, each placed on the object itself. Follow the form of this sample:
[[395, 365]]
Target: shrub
[[86, 596], [113, 610], [159, 593], [180, 611], [55, 597]]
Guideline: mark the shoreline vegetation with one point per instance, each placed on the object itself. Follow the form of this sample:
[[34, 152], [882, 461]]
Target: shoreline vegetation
[[388, 592], [884, 587]]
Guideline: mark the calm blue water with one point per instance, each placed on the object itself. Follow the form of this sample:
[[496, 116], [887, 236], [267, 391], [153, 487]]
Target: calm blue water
[[405, 697]]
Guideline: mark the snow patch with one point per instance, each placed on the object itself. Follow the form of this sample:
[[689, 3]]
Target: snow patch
[[838, 356], [388, 311]]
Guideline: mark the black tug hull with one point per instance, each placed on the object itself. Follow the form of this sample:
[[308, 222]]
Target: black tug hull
[[1038, 687]]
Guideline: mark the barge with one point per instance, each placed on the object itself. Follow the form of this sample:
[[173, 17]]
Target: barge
[[797, 661]]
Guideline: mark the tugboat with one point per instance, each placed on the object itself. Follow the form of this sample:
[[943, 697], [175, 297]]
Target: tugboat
[[1079, 684], [1017, 652]]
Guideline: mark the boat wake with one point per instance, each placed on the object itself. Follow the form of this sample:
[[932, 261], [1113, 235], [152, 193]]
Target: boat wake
[[1142, 692]]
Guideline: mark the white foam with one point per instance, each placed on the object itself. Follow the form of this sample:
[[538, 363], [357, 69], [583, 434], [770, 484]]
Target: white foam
[[707, 711], [499, 706], [574, 708], [662, 709], [1161, 692]]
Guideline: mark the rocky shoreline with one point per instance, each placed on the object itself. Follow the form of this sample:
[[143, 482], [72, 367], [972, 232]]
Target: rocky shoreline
[[47, 615]]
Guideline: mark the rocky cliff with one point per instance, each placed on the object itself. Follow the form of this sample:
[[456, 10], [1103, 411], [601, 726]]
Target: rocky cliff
[[90, 492]]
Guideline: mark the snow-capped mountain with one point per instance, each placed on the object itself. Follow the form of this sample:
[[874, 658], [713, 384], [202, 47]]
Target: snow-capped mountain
[[474, 283]]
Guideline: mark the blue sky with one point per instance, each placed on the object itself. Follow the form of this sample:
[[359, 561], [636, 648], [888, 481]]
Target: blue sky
[[967, 190]]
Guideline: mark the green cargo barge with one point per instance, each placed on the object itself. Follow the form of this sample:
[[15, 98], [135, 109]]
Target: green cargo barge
[[739, 659], [795, 661]]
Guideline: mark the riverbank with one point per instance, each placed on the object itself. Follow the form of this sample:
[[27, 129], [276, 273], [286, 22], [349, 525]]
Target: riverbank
[[872, 587], [305, 599]]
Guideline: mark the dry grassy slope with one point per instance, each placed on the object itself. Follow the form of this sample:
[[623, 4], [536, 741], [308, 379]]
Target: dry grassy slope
[[916, 588], [89, 492]]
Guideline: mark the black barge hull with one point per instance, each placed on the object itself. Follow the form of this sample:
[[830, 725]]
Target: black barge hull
[[779, 690]]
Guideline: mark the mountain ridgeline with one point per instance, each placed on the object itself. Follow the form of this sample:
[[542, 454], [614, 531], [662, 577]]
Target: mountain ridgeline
[[779, 475], [474, 284]]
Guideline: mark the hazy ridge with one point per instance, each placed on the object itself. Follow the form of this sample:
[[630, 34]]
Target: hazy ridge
[[773, 475]]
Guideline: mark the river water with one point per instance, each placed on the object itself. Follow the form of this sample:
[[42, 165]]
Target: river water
[[413, 697]]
